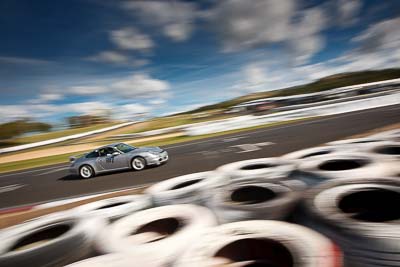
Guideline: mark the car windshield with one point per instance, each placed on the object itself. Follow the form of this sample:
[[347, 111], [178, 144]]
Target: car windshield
[[124, 148]]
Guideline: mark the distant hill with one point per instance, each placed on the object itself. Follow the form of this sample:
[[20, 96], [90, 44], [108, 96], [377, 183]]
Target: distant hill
[[326, 83], [341, 80]]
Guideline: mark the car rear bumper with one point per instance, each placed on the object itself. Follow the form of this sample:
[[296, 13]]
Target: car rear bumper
[[73, 171]]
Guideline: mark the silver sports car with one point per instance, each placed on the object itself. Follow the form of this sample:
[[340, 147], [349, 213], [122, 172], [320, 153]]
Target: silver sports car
[[117, 156]]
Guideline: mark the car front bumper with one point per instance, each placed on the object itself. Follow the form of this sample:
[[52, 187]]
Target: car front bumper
[[157, 159]]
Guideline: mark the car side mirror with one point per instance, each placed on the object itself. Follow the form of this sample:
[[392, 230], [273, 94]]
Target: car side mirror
[[115, 153]]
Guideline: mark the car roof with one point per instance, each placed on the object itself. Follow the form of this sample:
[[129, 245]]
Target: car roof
[[110, 145]]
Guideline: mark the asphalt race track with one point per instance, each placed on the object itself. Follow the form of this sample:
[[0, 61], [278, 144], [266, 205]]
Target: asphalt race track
[[54, 182]]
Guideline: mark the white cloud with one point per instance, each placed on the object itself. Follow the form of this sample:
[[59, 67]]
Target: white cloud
[[46, 97], [110, 57], [305, 39], [254, 74], [12, 112], [21, 111], [87, 90], [42, 111], [51, 96], [90, 107], [23, 61], [242, 26], [178, 32], [130, 111], [174, 18], [140, 85], [348, 11], [375, 48], [118, 58], [380, 37], [131, 39], [265, 76], [156, 102]]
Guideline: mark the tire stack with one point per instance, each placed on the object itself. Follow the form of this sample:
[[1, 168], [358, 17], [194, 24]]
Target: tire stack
[[49, 241], [329, 206], [261, 243], [163, 232], [361, 216], [186, 189]]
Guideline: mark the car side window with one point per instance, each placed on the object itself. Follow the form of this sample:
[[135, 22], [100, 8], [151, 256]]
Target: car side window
[[107, 150], [102, 152], [93, 154]]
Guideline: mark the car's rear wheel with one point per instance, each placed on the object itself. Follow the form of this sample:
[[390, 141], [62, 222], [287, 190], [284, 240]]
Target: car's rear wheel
[[86, 172], [138, 163]]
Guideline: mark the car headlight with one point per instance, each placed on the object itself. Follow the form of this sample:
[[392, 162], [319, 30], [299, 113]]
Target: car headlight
[[154, 153]]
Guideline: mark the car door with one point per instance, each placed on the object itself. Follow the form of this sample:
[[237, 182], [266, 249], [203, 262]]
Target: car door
[[108, 161]]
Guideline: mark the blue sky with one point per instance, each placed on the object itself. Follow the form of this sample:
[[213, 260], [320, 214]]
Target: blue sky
[[62, 58]]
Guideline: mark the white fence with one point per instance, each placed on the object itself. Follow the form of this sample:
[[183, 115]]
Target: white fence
[[331, 109]]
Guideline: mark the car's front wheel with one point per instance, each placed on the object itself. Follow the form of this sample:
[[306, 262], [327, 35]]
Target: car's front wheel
[[138, 163], [86, 172]]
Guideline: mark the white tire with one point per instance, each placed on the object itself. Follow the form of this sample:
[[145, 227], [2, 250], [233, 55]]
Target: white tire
[[346, 165], [355, 142], [186, 189], [311, 153], [271, 243], [265, 168], [388, 150], [114, 208], [49, 241], [250, 200], [117, 260], [162, 232], [361, 215], [392, 135]]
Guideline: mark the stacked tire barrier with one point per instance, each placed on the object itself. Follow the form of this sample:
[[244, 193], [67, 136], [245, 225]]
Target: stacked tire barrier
[[49, 241], [361, 216], [186, 189], [329, 206], [162, 231], [261, 243], [114, 208]]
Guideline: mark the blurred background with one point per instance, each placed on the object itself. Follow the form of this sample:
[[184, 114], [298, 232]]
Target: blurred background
[[78, 63], [280, 111]]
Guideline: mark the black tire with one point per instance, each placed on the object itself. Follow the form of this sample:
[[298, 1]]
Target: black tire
[[138, 163], [89, 173]]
